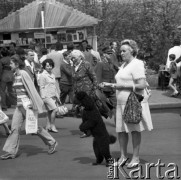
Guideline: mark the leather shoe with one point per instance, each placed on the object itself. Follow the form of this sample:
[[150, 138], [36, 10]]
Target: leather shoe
[[52, 148], [8, 156], [53, 129]]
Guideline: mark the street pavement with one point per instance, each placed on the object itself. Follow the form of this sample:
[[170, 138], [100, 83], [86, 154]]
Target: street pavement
[[74, 156], [159, 100]]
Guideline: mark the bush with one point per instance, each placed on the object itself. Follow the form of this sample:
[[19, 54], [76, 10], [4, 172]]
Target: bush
[[154, 64]]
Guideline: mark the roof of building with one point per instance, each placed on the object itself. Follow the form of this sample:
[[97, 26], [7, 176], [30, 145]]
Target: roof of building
[[57, 15]]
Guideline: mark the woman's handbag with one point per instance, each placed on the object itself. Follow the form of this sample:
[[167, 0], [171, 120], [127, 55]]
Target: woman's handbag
[[133, 110], [102, 107], [62, 109]]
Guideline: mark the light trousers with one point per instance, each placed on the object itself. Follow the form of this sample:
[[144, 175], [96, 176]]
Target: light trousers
[[13, 140]]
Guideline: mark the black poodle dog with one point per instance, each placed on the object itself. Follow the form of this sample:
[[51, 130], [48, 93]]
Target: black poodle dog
[[92, 120]]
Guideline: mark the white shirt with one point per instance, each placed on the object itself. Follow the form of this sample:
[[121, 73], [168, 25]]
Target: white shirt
[[36, 58], [43, 58], [177, 51], [31, 65]]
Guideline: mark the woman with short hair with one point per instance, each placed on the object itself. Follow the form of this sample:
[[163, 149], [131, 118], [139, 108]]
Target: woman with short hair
[[130, 77], [49, 93]]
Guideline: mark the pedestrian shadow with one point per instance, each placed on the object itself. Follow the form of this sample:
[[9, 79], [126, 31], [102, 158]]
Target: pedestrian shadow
[[3, 134], [84, 160], [75, 132], [31, 150], [59, 128], [116, 156], [168, 94]]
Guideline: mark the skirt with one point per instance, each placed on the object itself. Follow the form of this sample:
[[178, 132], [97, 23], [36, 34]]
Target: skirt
[[145, 124]]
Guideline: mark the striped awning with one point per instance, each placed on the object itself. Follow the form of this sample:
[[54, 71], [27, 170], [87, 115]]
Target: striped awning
[[56, 15]]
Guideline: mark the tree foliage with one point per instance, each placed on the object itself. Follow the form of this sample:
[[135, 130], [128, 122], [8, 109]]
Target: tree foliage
[[152, 23]]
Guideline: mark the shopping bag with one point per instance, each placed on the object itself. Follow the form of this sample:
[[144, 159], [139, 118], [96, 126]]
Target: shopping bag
[[3, 117], [31, 124], [133, 110], [62, 110]]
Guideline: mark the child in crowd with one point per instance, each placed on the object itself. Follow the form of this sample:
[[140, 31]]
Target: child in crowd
[[3, 120], [173, 75]]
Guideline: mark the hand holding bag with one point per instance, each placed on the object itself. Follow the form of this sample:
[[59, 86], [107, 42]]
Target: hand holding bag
[[26, 102], [133, 110], [62, 109]]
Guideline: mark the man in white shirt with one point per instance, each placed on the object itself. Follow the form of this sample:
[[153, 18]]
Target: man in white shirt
[[32, 47], [29, 63], [94, 53], [30, 67]]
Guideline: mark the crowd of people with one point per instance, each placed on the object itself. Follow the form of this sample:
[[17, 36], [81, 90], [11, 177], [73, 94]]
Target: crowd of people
[[49, 77]]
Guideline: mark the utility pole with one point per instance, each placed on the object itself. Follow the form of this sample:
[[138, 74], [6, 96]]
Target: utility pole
[[43, 20]]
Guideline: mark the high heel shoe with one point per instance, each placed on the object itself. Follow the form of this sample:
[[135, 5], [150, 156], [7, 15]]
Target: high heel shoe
[[53, 129]]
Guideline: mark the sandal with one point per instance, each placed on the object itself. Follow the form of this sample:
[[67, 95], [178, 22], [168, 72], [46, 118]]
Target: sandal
[[121, 162], [175, 94], [133, 164]]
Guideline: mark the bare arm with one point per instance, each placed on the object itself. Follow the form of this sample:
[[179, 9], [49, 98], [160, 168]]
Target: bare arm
[[139, 84]]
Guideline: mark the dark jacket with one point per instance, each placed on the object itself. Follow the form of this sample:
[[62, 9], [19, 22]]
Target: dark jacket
[[66, 73], [114, 60], [6, 75], [105, 72]]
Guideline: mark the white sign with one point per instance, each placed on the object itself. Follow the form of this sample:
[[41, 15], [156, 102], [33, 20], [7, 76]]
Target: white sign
[[39, 35]]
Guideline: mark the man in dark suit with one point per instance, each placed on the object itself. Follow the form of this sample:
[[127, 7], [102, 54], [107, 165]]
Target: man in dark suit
[[87, 54], [105, 72], [6, 81], [113, 55], [66, 81]]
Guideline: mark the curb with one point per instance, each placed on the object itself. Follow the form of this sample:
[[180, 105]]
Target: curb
[[159, 106], [153, 106]]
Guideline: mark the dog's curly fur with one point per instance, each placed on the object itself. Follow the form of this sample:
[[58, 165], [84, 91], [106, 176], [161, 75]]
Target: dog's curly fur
[[93, 121]]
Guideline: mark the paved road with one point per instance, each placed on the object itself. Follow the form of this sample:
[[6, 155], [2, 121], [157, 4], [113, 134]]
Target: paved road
[[74, 155]]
